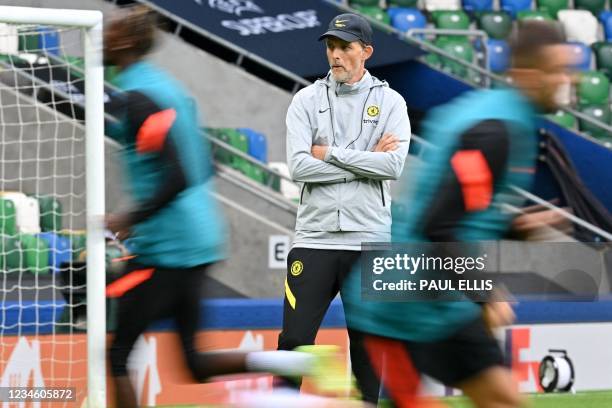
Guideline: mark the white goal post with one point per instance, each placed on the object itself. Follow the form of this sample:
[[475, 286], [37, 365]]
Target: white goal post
[[89, 23]]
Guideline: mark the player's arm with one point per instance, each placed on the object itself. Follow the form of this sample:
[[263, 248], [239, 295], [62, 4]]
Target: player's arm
[[469, 185], [117, 108], [475, 169], [173, 182], [152, 125], [379, 165], [303, 167]]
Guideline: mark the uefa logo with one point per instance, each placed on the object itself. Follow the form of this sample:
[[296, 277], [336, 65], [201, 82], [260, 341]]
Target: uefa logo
[[236, 7]]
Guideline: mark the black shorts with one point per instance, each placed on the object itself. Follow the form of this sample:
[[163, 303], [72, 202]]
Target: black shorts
[[468, 352], [146, 294], [460, 357]]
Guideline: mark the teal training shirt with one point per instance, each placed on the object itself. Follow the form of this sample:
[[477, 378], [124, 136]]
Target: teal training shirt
[[189, 230], [430, 321]]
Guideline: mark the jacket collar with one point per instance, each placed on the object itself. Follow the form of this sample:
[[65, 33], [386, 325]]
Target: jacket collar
[[365, 84]]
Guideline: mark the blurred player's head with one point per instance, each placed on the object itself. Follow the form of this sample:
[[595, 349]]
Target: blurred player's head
[[129, 36], [540, 62], [348, 40]]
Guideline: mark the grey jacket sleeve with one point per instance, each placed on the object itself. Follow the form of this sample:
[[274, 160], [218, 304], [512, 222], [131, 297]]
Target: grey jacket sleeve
[[378, 165], [302, 166]]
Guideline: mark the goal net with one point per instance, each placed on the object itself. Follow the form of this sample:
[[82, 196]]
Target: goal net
[[52, 319]]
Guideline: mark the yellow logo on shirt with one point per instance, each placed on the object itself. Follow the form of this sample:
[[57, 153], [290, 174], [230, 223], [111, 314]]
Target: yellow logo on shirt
[[373, 110], [296, 268]]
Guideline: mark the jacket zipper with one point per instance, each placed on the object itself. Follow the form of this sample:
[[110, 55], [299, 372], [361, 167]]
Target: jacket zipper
[[331, 117], [382, 193], [361, 119]]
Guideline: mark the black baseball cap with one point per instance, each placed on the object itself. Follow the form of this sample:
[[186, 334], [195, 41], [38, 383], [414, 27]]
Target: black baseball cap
[[349, 27]]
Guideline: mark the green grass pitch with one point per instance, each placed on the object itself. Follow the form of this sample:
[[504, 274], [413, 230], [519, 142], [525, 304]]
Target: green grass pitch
[[595, 399]]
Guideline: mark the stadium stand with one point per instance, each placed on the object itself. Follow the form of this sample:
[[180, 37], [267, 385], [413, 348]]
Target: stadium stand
[[581, 25], [495, 19]]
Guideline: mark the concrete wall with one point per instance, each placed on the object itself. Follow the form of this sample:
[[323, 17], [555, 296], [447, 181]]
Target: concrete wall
[[227, 95], [247, 269]]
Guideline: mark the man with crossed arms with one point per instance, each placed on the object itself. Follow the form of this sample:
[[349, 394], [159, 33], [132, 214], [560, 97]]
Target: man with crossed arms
[[347, 137]]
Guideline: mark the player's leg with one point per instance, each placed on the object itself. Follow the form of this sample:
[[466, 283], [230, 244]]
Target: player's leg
[[493, 387], [204, 365], [310, 286], [401, 378], [187, 318], [367, 378], [139, 303], [472, 361]]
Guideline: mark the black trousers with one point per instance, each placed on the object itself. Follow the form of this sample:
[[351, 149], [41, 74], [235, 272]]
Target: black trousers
[[314, 278], [166, 293]]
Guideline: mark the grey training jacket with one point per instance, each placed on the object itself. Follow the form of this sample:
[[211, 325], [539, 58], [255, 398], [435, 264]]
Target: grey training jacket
[[349, 190]]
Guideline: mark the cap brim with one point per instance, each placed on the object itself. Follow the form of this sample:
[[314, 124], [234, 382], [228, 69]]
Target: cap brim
[[343, 35]]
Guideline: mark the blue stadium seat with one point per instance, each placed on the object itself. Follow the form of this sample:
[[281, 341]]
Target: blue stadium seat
[[499, 55], [392, 11], [473, 6], [60, 249], [606, 20], [257, 144], [49, 40], [583, 54], [405, 19], [512, 7]]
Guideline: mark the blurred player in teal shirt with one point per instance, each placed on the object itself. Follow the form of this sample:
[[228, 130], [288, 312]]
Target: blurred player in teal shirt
[[484, 142], [176, 229]]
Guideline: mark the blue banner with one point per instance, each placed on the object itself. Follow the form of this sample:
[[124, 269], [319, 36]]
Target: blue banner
[[283, 32]]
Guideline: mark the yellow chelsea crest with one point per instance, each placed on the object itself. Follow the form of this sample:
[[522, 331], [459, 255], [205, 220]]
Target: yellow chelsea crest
[[296, 268], [373, 110]]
